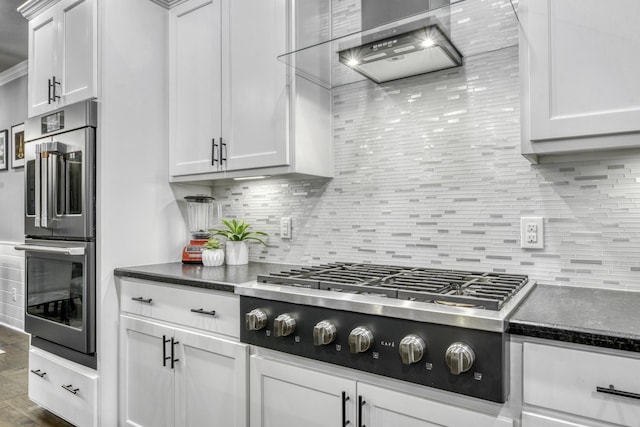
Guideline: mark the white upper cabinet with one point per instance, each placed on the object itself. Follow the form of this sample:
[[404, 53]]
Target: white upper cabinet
[[234, 109], [62, 55], [195, 109], [580, 89], [255, 120]]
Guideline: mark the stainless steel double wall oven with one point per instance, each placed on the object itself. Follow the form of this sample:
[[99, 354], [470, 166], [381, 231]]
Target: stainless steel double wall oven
[[60, 232]]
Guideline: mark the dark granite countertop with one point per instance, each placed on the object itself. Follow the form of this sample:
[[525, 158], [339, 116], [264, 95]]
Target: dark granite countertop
[[598, 317], [223, 278]]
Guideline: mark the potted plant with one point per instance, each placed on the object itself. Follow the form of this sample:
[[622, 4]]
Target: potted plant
[[212, 254], [237, 234]]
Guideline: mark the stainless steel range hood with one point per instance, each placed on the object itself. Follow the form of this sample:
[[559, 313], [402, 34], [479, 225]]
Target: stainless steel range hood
[[429, 41], [415, 52]]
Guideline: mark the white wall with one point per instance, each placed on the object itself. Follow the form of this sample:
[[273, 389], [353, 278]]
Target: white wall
[[13, 110], [139, 214]]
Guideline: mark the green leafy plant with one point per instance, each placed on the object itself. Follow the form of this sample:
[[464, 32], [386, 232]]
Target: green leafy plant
[[237, 231], [212, 243]]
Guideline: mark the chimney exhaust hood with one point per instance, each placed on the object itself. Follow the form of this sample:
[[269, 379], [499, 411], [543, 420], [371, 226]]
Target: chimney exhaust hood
[[415, 52], [425, 42]]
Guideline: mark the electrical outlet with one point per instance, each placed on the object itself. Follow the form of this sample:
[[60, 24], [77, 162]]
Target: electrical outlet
[[14, 294], [532, 232], [285, 227]]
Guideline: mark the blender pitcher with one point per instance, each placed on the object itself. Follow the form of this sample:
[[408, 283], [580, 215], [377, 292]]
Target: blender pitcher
[[202, 214]]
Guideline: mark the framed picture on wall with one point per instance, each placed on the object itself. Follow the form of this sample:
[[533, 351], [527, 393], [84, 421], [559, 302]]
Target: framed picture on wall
[[4, 158], [17, 146]]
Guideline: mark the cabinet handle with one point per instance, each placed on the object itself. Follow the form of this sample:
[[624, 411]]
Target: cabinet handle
[[49, 91], [612, 390], [140, 299], [361, 403], [70, 389], [214, 149], [164, 350], [223, 146], [55, 97], [173, 361], [202, 311], [39, 373], [345, 421]]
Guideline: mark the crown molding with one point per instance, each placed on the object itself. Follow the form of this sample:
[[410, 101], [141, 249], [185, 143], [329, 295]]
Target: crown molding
[[14, 72], [31, 8], [168, 4]]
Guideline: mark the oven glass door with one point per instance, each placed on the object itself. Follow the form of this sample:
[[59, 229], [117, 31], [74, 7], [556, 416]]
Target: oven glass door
[[60, 296], [60, 185]]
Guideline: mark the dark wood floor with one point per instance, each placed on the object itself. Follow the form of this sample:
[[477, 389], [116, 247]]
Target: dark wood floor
[[15, 407]]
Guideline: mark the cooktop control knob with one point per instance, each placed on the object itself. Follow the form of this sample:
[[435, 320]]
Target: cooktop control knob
[[459, 357], [284, 325], [360, 339], [324, 332], [255, 319], [411, 349]]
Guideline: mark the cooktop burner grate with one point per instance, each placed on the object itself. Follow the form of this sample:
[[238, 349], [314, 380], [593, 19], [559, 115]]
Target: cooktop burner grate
[[451, 287]]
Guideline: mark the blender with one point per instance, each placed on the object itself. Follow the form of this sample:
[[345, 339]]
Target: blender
[[202, 214]]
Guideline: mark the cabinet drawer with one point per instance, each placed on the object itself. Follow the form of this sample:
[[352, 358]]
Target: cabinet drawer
[[64, 388], [175, 305], [566, 380]]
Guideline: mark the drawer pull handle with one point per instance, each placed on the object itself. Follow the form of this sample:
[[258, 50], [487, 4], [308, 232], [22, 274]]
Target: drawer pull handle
[[70, 389], [39, 373], [140, 299], [202, 311], [612, 390]]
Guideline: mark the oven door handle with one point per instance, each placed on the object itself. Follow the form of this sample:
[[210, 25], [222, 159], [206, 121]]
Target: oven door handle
[[51, 249], [38, 182]]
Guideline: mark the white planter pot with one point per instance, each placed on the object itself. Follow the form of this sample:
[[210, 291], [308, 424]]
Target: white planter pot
[[212, 257], [237, 253]]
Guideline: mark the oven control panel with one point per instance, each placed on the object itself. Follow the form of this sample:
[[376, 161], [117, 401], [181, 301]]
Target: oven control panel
[[460, 360]]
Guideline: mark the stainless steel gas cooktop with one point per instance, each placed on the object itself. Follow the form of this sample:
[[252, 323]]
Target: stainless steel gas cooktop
[[449, 287], [439, 328]]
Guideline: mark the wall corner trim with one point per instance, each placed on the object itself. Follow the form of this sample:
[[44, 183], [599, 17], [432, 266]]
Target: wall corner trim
[[14, 72]]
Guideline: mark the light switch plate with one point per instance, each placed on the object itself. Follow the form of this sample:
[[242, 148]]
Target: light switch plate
[[532, 232], [285, 227]]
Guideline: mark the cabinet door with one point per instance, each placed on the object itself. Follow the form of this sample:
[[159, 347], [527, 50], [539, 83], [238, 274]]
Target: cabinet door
[[146, 385], [195, 107], [284, 395], [211, 381], [77, 70], [583, 75], [43, 41], [383, 407], [255, 88]]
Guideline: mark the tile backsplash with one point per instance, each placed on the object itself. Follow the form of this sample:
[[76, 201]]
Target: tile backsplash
[[428, 172]]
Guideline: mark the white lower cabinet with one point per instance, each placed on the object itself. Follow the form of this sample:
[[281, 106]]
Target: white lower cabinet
[[286, 395], [175, 377], [147, 383], [65, 388], [569, 386]]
